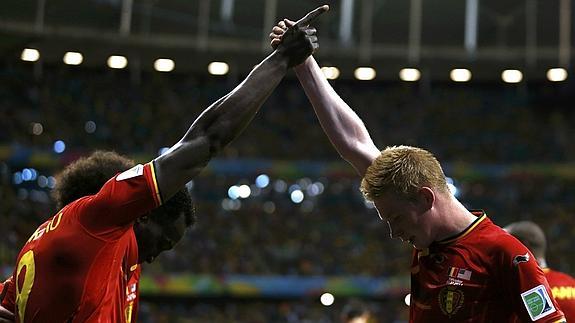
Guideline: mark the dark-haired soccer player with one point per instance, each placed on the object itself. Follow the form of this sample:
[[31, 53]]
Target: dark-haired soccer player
[[151, 234], [562, 284], [465, 268], [77, 265]]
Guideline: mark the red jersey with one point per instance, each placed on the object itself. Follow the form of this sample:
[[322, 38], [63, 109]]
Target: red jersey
[[132, 290], [563, 288], [481, 275], [77, 265]]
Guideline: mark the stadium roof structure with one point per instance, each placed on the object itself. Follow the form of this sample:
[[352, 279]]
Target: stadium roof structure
[[485, 36]]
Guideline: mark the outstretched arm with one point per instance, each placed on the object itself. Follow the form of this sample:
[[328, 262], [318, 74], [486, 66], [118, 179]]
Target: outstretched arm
[[225, 119], [341, 124]]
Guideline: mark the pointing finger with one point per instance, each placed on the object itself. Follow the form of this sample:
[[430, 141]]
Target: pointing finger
[[312, 15]]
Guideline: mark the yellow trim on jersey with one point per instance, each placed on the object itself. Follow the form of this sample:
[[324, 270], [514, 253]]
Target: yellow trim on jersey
[[466, 231], [153, 170], [562, 320]]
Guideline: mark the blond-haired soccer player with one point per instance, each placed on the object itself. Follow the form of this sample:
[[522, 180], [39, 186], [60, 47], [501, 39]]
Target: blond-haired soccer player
[[464, 268], [562, 284]]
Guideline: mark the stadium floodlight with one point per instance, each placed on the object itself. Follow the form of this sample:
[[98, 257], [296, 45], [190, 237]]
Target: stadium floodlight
[[73, 58], [330, 72], [326, 299], [409, 74], [90, 126], [244, 191], [262, 181], [117, 62], [557, 74], [30, 55], [460, 75], [59, 146], [297, 196], [407, 299], [36, 128], [512, 76], [164, 65], [364, 73], [218, 68]]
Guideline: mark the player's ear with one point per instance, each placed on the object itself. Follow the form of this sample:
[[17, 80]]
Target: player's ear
[[425, 198]]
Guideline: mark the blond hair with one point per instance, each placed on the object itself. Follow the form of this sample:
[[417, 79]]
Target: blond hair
[[403, 170]]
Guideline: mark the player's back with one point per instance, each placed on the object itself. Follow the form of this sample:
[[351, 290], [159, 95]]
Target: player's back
[[563, 288], [76, 266], [65, 273]]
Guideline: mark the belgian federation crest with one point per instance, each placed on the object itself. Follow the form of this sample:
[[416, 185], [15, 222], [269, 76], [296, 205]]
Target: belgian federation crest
[[450, 300]]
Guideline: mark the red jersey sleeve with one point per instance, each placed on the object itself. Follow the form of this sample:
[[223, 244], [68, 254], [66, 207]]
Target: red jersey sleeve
[[525, 285], [123, 198], [9, 295]]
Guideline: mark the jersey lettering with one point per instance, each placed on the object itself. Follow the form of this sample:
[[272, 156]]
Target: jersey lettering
[[563, 292]]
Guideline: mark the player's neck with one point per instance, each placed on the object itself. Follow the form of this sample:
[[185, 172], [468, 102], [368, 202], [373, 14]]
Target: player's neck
[[453, 217]]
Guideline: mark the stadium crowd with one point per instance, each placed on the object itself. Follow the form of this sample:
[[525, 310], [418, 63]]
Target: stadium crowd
[[332, 234]]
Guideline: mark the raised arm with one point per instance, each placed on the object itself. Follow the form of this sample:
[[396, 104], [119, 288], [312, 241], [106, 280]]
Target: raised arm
[[225, 119], [341, 124]]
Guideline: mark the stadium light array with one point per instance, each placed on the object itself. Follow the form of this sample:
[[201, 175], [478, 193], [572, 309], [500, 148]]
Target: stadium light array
[[117, 62], [73, 58], [460, 75], [409, 74], [164, 65], [557, 74], [30, 55], [364, 73], [512, 76], [218, 68], [330, 72]]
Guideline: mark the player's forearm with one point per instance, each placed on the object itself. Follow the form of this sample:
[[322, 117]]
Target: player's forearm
[[342, 125], [224, 120], [219, 124]]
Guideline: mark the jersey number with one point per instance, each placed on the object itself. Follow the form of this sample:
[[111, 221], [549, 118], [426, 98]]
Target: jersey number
[[22, 294]]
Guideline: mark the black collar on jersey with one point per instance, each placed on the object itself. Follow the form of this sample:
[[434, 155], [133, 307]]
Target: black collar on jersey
[[480, 214]]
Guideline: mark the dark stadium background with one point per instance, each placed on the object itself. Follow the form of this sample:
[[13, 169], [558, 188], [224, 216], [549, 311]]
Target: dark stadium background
[[508, 147]]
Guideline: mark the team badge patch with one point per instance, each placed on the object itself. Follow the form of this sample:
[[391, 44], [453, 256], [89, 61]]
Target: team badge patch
[[131, 173], [450, 300], [537, 302]]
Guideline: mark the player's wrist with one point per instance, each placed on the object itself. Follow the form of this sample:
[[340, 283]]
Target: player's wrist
[[280, 58]]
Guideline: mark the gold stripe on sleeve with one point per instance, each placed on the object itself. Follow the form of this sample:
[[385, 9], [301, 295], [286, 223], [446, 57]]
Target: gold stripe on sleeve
[[156, 188]]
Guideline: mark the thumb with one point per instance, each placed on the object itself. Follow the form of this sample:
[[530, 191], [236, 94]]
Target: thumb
[[288, 22]]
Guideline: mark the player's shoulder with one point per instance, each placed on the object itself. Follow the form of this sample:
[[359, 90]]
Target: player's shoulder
[[560, 276], [496, 239], [492, 234]]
